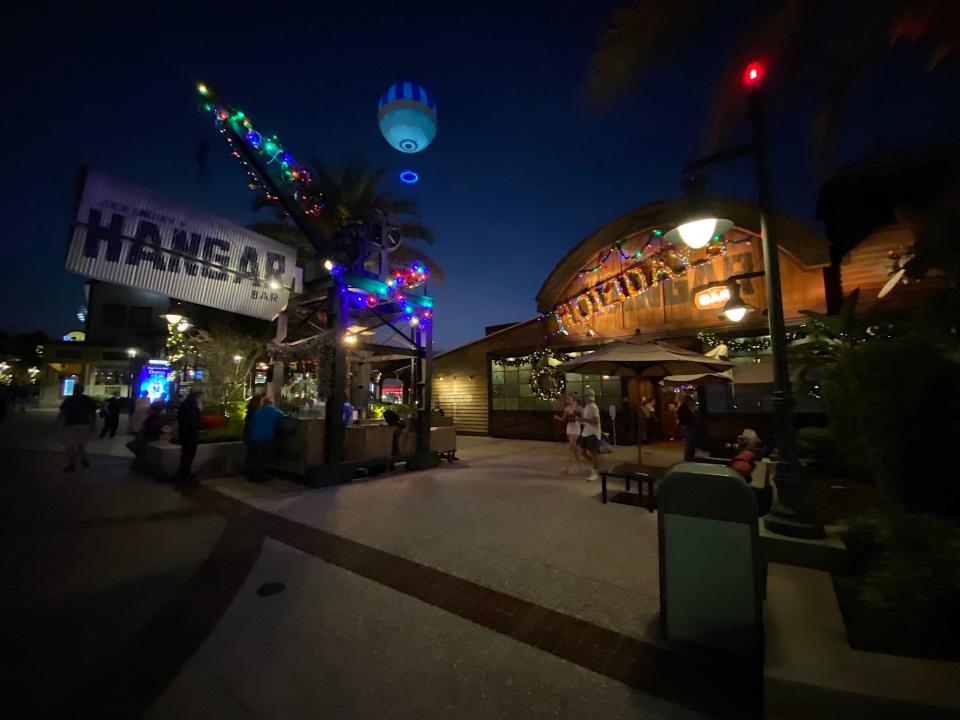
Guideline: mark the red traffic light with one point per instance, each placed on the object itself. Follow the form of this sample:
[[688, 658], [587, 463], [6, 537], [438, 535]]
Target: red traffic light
[[753, 74]]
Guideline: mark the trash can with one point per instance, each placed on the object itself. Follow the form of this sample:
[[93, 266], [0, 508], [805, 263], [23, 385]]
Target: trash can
[[712, 575]]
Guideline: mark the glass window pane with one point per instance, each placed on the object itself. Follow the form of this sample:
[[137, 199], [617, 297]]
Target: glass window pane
[[611, 386], [523, 377], [498, 403], [510, 404], [526, 366], [510, 391], [525, 390], [497, 390], [498, 376], [526, 403], [510, 375]]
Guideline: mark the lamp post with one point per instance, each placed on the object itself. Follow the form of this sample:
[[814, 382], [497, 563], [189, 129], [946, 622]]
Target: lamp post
[[791, 514]]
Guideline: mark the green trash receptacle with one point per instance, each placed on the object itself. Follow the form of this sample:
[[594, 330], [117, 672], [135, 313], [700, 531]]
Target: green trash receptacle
[[712, 573]]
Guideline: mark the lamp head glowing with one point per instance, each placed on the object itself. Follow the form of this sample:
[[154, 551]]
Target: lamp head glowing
[[697, 233], [203, 89], [735, 309], [173, 318], [735, 314], [328, 265]]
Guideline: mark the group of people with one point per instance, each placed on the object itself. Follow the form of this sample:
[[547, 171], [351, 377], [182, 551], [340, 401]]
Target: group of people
[[581, 419], [78, 423]]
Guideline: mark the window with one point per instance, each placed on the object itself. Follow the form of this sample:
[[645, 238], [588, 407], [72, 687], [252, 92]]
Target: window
[[511, 389], [111, 376], [140, 318], [114, 315]]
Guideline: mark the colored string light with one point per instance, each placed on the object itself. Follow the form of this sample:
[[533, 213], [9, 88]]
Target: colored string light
[[232, 123]]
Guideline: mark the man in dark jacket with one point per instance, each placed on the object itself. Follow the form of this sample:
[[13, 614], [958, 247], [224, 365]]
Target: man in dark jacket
[[111, 416], [188, 430]]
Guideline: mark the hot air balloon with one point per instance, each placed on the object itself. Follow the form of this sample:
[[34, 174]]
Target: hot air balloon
[[408, 117]]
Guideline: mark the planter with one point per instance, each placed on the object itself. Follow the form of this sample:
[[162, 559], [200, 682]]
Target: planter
[[162, 459]]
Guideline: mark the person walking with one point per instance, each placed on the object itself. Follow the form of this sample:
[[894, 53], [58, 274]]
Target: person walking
[[138, 413], [111, 416], [590, 437], [263, 431], [77, 418], [571, 428], [687, 420], [188, 431]]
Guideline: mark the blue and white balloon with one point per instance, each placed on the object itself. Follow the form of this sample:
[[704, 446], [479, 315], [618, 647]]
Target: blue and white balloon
[[408, 117]]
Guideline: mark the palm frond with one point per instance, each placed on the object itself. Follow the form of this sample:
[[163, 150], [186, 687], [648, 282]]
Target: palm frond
[[780, 37], [635, 33], [416, 231]]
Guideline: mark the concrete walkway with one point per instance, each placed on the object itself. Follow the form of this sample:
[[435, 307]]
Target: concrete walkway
[[492, 587]]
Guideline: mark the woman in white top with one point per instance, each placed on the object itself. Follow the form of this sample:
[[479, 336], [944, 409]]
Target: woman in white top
[[569, 417]]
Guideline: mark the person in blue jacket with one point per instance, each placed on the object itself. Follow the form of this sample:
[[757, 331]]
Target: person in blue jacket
[[263, 431]]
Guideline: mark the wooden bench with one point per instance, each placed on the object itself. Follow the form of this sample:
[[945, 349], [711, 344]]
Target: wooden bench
[[642, 474]]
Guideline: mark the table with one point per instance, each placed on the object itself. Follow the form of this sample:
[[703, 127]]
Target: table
[[643, 474]]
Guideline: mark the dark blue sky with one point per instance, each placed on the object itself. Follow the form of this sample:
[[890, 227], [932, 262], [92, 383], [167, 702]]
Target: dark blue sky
[[521, 170]]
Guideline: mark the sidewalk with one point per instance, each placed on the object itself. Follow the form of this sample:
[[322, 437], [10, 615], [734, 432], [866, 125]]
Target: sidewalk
[[492, 587]]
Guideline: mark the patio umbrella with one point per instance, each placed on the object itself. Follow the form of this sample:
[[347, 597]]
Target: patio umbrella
[[701, 379], [643, 359]]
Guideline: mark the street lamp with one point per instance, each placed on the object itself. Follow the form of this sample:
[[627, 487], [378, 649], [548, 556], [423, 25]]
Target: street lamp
[[791, 514], [735, 309], [702, 222]]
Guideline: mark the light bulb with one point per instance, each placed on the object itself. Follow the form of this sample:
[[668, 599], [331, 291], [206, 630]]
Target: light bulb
[[735, 314], [697, 233]]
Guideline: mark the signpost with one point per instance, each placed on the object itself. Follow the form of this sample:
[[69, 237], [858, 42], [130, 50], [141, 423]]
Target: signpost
[[129, 236]]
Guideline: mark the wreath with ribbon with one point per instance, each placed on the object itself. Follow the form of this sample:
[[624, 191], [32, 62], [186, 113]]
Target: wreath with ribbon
[[547, 382]]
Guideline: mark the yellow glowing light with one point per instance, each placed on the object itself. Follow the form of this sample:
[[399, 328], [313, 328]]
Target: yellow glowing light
[[711, 298], [697, 233], [736, 314], [202, 89], [328, 265]]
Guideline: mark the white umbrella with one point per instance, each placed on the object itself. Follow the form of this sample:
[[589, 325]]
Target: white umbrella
[[643, 359]]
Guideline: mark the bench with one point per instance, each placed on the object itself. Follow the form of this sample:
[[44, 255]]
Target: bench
[[644, 476]]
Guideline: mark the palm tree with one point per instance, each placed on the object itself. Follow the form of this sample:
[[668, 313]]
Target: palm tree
[[853, 35], [350, 193]]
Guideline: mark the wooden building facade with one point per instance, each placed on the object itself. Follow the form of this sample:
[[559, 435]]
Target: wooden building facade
[[626, 279]]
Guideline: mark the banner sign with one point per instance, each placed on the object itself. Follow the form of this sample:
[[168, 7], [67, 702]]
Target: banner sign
[[129, 236]]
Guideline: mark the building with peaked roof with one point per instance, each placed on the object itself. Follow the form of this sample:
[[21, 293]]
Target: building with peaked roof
[[625, 279]]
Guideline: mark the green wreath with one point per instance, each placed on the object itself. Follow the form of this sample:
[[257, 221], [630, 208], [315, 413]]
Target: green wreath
[[547, 382]]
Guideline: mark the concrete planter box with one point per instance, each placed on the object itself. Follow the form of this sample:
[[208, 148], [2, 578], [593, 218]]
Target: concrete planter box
[[162, 459]]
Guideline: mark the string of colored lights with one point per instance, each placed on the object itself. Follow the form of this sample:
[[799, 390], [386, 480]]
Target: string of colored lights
[[393, 295], [604, 255], [664, 263], [760, 343], [233, 124]]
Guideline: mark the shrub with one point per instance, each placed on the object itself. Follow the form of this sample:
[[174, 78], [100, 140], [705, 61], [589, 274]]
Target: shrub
[[909, 567], [817, 444], [893, 407]]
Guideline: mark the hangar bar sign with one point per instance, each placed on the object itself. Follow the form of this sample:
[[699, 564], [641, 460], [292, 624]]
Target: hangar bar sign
[[130, 236]]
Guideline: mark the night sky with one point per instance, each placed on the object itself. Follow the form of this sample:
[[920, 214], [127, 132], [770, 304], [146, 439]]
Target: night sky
[[521, 170]]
